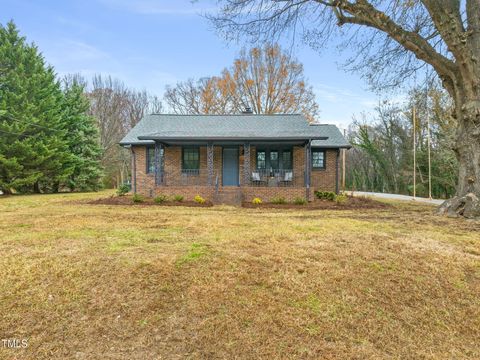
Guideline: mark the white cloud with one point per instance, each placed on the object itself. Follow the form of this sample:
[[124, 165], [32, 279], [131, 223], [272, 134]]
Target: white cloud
[[338, 104], [75, 24], [81, 51]]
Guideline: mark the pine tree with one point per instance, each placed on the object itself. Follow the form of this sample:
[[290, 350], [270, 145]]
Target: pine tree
[[82, 137], [33, 152]]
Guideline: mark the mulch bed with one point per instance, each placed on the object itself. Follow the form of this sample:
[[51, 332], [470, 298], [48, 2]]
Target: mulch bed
[[127, 200], [351, 204]]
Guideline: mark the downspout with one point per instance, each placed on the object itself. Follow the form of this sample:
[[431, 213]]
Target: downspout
[[134, 171], [336, 172], [308, 164]]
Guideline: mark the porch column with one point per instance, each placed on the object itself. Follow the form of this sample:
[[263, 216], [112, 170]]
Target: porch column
[[308, 167], [158, 168], [210, 163], [246, 163]]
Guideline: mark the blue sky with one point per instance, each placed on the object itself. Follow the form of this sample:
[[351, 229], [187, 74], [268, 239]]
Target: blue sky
[[153, 43]]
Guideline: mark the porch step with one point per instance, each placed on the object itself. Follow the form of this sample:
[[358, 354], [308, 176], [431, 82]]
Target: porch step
[[229, 196]]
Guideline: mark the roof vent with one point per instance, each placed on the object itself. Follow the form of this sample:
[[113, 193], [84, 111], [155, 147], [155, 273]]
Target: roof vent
[[248, 110]]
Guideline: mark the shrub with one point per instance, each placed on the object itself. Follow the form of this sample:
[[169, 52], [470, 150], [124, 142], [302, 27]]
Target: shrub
[[178, 198], [256, 201], [325, 195], [123, 189], [421, 190], [199, 199], [300, 201], [160, 198], [137, 198], [341, 199], [278, 200]]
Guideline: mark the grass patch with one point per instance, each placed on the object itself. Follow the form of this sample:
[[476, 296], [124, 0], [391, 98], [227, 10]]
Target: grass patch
[[285, 282], [195, 252]]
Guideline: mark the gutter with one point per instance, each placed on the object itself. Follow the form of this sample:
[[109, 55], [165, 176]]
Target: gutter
[[222, 138], [331, 147]]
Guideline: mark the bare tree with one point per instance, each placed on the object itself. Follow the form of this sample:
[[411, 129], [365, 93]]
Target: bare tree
[[399, 37], [382, 159], [117, 109], [205, 96], [265, 79]]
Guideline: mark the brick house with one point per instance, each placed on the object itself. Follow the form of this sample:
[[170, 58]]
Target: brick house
[[234, 158]]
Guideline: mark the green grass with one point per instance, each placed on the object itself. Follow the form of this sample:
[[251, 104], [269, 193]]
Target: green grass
[[194, 253], [145, 282]]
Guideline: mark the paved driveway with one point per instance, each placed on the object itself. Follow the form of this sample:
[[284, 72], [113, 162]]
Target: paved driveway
[[396, 197]]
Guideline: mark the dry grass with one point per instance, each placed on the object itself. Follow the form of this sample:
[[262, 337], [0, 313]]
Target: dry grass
[[115, 282]]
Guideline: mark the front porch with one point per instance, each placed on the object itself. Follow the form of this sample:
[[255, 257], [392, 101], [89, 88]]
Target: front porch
[[257, 178], [226, 171], [258, 165]]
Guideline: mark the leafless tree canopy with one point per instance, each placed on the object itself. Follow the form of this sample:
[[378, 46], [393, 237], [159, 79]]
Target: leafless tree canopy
[[117, 109], [382, 158], [392, 40], [384, 59], [265, 79]]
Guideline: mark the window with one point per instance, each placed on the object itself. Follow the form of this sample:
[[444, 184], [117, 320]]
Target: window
[[261, 160], [274, 159], [287, 160], [151, 159], [318, 159], [191, 159]]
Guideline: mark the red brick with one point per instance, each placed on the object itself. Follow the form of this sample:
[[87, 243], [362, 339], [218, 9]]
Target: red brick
[[324, 180]]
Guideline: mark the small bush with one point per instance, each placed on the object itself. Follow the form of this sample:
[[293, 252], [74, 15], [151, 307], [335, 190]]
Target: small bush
[[278, 200], [300, 201], [421, 190], [160, 198], [137, 198], [256, 201], [325, 195], [199, 199], [341, 199], [178, 198], [123, 189]]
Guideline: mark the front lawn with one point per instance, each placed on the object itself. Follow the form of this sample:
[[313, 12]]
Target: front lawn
[[90, 281]]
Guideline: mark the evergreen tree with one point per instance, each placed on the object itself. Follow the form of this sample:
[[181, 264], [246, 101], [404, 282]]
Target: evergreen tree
[[33, 153], [82, 137]]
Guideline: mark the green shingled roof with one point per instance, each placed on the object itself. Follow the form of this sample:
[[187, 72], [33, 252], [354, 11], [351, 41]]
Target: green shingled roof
[[166, 128]]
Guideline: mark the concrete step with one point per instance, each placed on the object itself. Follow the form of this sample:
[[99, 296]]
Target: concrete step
[[229, 196]]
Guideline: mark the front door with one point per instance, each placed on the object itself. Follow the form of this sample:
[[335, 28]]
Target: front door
[[230, 166]]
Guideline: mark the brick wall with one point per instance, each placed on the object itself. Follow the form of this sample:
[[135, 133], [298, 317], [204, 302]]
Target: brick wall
[[145, 183], [325, 179], [299, 164], [268, 193], [320, 179]]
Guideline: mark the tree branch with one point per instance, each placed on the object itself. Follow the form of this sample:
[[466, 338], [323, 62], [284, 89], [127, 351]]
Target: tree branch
[[363, 13]]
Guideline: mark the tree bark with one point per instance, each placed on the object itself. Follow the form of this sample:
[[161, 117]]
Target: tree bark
[[467, 200], [468, 149]]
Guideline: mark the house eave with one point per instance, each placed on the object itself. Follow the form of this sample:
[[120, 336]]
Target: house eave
[[231, 138]]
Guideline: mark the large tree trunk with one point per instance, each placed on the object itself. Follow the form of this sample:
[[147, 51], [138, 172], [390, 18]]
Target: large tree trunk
[[468, 149], [467, 200]]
